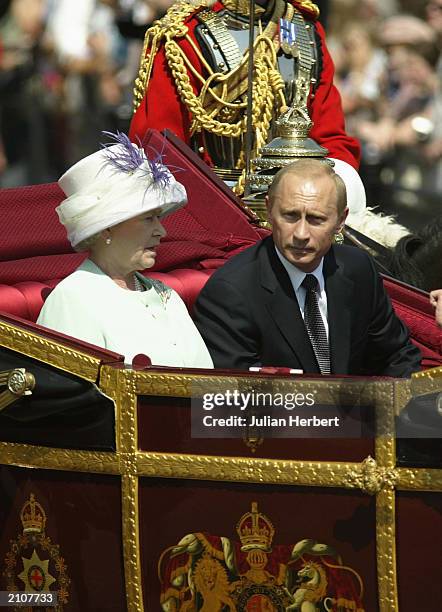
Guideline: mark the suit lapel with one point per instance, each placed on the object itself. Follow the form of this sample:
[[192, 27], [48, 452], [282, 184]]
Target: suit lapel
[[282, 306], [340, 291]]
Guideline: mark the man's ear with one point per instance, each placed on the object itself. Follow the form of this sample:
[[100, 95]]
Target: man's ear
[[269, 209], [341, 220]]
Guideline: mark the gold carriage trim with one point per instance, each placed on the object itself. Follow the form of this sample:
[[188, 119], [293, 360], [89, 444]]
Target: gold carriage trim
[[18, 383]]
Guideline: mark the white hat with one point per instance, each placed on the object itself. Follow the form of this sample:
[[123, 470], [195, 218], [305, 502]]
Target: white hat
[[113, 185], [356, 198]]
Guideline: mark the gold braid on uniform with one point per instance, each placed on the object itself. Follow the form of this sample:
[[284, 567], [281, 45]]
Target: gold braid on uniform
[[220, 107], [170, 25], [309, 6], [243, 7]]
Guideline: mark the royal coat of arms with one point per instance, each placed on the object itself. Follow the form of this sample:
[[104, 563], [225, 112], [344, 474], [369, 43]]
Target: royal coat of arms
[[205, 573], [33, 563]]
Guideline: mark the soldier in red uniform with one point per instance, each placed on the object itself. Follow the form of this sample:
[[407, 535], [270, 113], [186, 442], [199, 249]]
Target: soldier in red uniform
[[193, 80]]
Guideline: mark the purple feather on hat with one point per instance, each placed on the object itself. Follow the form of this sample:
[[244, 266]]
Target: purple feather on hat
[[130, 158]]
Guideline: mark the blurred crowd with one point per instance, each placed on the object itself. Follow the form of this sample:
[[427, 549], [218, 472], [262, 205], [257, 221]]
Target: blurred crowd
[[388, 70], [67, 70], [66, 73]]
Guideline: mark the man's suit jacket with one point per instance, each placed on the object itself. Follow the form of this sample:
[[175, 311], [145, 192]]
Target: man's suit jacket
[[248, 315]]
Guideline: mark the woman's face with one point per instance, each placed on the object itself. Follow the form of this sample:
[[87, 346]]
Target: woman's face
[[133, 242]]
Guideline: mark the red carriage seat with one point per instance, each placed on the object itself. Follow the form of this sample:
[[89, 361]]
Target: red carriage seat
[[413, 307]]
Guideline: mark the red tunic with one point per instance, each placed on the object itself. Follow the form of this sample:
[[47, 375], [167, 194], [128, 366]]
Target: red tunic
[[162, 108]]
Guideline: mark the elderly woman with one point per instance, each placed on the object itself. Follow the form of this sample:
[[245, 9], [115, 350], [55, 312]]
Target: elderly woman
[[115, 200]]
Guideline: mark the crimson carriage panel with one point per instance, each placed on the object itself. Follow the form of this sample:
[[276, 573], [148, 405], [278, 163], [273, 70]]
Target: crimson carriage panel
[[80, 545], [164, 425], [419, 550], [303, 519]]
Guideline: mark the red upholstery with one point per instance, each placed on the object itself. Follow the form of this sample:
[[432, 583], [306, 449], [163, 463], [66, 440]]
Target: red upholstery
[[25, 299], [413, 307], [35, 255]]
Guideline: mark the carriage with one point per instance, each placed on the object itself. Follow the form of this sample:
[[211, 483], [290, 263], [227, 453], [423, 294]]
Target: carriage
[[111, 497]]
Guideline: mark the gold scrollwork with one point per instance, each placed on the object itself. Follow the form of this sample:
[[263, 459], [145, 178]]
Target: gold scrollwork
[[386, 546], [25, 455], [430, 374], [131, 543], [371, 478], [419, 479], [239, 469], [49, 351]]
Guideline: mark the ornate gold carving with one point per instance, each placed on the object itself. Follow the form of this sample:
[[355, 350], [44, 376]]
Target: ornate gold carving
[[128, 464], [108, 383], [253, 441], [386, 550], [127, 415], [49, 351], [18, 382], [430, 374], [385, 450], [385, 443], [238, 469], [419, 479], [402, 395], [131, 543], [25, 455], [371, 478]]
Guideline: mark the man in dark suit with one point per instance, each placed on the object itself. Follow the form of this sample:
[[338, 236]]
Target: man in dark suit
[[258, 309]]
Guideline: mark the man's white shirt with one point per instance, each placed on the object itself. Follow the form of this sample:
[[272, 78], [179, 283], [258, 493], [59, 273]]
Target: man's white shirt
[[297, 276]]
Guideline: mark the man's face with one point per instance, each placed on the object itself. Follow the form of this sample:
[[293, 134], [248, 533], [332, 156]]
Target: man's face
[[304, 216]]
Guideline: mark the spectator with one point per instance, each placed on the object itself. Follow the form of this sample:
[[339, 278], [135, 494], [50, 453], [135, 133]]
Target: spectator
[[20, 118], [361, 70], [404, 137]]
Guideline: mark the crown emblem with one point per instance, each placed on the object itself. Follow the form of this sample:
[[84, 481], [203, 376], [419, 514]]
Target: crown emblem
[[32, 515], [255, 530]]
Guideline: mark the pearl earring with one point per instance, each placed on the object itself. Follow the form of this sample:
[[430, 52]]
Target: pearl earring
[[108, 241]]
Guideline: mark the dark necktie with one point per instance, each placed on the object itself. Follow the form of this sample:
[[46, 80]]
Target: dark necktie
[[315, 325]]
